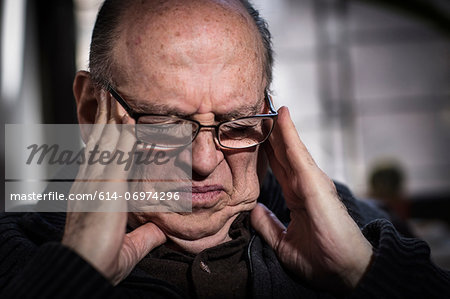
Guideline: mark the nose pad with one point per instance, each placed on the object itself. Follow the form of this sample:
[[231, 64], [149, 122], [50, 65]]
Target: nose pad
[[206, 153]]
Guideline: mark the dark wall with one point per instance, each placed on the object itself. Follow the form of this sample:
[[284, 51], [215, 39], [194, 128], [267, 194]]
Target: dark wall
[[56, 45]]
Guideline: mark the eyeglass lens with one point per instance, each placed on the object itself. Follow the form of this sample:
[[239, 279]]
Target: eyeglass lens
[[172, 132]]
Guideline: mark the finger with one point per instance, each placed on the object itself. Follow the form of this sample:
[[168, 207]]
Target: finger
[[145, 238], [109, 137], [277, 148], [119, 168], [102, 109], [113, 113], [286, 142], [127, 137], [103, 133], [110, 112], [277, 168], [283, 174], [117, 111], [121, 113], [101, 118], [116, 124], [267, 225]]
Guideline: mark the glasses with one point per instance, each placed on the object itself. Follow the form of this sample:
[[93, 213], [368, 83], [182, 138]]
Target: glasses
[[167, 131]]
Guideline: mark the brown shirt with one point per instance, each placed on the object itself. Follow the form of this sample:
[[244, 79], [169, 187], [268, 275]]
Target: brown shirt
[[220, 271]]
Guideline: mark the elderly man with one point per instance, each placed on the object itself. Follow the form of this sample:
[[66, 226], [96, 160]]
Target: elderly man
[[208, 62]]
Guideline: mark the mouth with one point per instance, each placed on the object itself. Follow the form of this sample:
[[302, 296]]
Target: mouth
[[201, 197], [207, 196]]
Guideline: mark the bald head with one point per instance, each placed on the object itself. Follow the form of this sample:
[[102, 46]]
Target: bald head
[[124, 24]]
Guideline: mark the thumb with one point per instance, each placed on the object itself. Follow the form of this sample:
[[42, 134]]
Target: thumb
[[145, 238], [267, 225]]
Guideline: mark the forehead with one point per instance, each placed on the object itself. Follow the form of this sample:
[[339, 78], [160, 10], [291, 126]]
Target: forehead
[[193, 54]]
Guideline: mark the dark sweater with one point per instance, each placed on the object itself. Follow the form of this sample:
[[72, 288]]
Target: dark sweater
[[34, 264]]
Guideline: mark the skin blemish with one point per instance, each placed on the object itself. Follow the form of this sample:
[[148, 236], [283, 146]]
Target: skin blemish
[[177, 33], [137, 41]]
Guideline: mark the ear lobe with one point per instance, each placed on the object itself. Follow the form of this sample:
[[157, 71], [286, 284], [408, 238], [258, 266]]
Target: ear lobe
[[86, 99]]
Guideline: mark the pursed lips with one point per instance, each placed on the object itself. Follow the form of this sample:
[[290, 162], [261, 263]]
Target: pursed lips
[[206, 196], [203, 197]]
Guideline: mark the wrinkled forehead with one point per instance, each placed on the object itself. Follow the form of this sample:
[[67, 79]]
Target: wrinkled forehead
[[177, 33]]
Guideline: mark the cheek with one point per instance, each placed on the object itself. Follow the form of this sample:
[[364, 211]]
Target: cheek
[[245, 178]]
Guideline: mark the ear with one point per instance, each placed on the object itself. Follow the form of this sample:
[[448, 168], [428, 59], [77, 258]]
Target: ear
[[86, 99]]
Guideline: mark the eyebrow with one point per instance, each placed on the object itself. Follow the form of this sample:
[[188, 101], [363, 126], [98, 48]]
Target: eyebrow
[[152, 108], [241, 112]]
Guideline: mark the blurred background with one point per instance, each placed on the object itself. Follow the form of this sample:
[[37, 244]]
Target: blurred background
[[367, 82]]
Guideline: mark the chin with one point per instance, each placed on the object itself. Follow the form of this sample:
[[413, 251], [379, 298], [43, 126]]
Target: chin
[[193, 226], [187, 226]]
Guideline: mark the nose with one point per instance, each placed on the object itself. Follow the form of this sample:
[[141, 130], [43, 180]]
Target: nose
[[206, 154]]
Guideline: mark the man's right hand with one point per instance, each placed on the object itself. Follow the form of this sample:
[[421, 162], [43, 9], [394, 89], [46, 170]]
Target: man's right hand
[[99, 237]]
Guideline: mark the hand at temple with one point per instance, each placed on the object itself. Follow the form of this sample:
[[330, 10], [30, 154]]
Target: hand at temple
[[99, 237], [322, 243]]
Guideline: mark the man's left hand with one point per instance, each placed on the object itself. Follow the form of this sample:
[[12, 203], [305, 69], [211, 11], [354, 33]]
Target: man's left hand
[[322, 243]]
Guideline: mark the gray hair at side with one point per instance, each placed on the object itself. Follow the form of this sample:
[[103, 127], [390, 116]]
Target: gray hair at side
[[106, 32]]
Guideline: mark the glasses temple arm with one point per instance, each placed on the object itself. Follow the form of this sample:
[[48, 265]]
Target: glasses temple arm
[[270, 102], [121, 101]]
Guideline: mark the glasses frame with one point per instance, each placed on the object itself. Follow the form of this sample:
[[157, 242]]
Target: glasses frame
[[136, 115]]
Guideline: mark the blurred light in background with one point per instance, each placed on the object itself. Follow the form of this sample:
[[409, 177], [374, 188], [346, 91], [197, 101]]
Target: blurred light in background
[[85, 14], [13, 40], [366, 82]]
